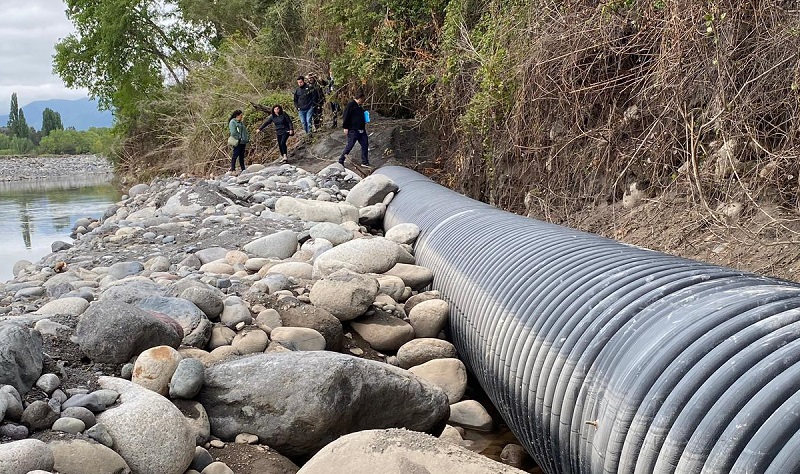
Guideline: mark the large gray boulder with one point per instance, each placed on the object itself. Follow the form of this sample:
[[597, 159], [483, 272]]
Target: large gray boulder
[[149, 432], [195, 323], [337, 394], [345, 294], [20, 356], [317, 211], [396, 451], [113, 332], [371, 190], [376, 255]]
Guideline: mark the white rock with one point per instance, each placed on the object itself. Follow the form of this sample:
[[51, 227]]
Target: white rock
[[72, 306], [405, 233], [317, 211], [371, 190], [19, 457]]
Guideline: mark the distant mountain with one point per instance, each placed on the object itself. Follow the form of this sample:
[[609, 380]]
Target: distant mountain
[[80, 113]]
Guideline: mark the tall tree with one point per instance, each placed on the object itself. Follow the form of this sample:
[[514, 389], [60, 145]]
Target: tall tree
[[51, 120], [13, 116], [122, 48], [22, 131]]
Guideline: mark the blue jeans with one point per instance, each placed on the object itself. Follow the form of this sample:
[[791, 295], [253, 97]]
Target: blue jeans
[[305, 118], [361, 137]]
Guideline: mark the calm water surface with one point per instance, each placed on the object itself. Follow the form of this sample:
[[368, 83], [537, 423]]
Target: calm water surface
[[34, 213]]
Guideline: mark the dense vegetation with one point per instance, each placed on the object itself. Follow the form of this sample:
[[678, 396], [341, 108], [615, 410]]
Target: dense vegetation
[[18, 138], [557, 103]]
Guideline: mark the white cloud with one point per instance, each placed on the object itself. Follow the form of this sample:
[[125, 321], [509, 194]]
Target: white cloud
[[29, 31]]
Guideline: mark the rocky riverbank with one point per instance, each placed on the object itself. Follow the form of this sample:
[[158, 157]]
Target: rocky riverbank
[[250, 324], [16, 168]]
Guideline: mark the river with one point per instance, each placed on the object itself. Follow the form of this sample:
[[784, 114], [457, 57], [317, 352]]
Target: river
[[35, 213]]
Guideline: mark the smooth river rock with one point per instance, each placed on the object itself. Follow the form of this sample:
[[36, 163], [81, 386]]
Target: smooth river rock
[[337, 394]]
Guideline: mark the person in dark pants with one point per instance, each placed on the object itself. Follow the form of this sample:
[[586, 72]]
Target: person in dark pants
[[305, 98], [283, 128], [317, 85], [354, 126], [239, 132]]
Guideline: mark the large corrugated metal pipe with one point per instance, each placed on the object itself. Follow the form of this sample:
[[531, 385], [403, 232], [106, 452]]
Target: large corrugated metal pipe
[[608, 358]]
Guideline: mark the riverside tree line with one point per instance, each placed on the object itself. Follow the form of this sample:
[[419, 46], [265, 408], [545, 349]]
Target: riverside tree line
[[19, 138]]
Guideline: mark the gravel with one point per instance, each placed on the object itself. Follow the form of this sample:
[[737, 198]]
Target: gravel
[[17, 168]]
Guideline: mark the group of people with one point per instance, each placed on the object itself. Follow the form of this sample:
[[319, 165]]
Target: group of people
[[309, 98]]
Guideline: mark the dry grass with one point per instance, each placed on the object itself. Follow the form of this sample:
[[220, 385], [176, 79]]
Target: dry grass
[[654, 93]]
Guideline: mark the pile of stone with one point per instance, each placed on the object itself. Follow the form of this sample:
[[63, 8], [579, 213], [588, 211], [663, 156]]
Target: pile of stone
[[264, 309], [18, 168]]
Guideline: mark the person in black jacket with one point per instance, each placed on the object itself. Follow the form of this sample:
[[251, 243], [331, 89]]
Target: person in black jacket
[[283, 128], [354, 126], [318, 85], [305, 98]]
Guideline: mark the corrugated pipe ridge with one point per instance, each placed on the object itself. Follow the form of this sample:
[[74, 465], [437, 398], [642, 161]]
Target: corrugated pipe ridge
[[608, 358]]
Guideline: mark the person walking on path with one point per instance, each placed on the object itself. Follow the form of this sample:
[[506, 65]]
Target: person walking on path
[[333, 100], [305, 98], [283, 128], [317, 85], [239, 133], [354, 125]]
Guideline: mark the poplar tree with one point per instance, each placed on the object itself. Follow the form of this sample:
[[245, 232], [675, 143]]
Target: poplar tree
[[51, 120], [13, 116], [23, 131]]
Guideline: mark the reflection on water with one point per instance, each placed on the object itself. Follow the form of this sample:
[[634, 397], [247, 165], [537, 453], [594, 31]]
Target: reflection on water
[[34, 213]]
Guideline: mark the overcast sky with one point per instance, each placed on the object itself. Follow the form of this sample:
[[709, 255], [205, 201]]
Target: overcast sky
[[29, 29]]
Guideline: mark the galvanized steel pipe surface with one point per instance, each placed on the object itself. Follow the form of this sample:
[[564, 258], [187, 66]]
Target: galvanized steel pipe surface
[[604, 357]]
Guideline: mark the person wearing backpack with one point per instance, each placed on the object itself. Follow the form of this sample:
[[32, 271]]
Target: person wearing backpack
[[354, 123], [238, 139]]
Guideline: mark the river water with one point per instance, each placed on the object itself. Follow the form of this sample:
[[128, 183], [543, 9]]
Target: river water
[[35, 213]]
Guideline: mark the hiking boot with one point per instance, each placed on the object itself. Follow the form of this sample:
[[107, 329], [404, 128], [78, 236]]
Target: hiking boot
[[367, 166]]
